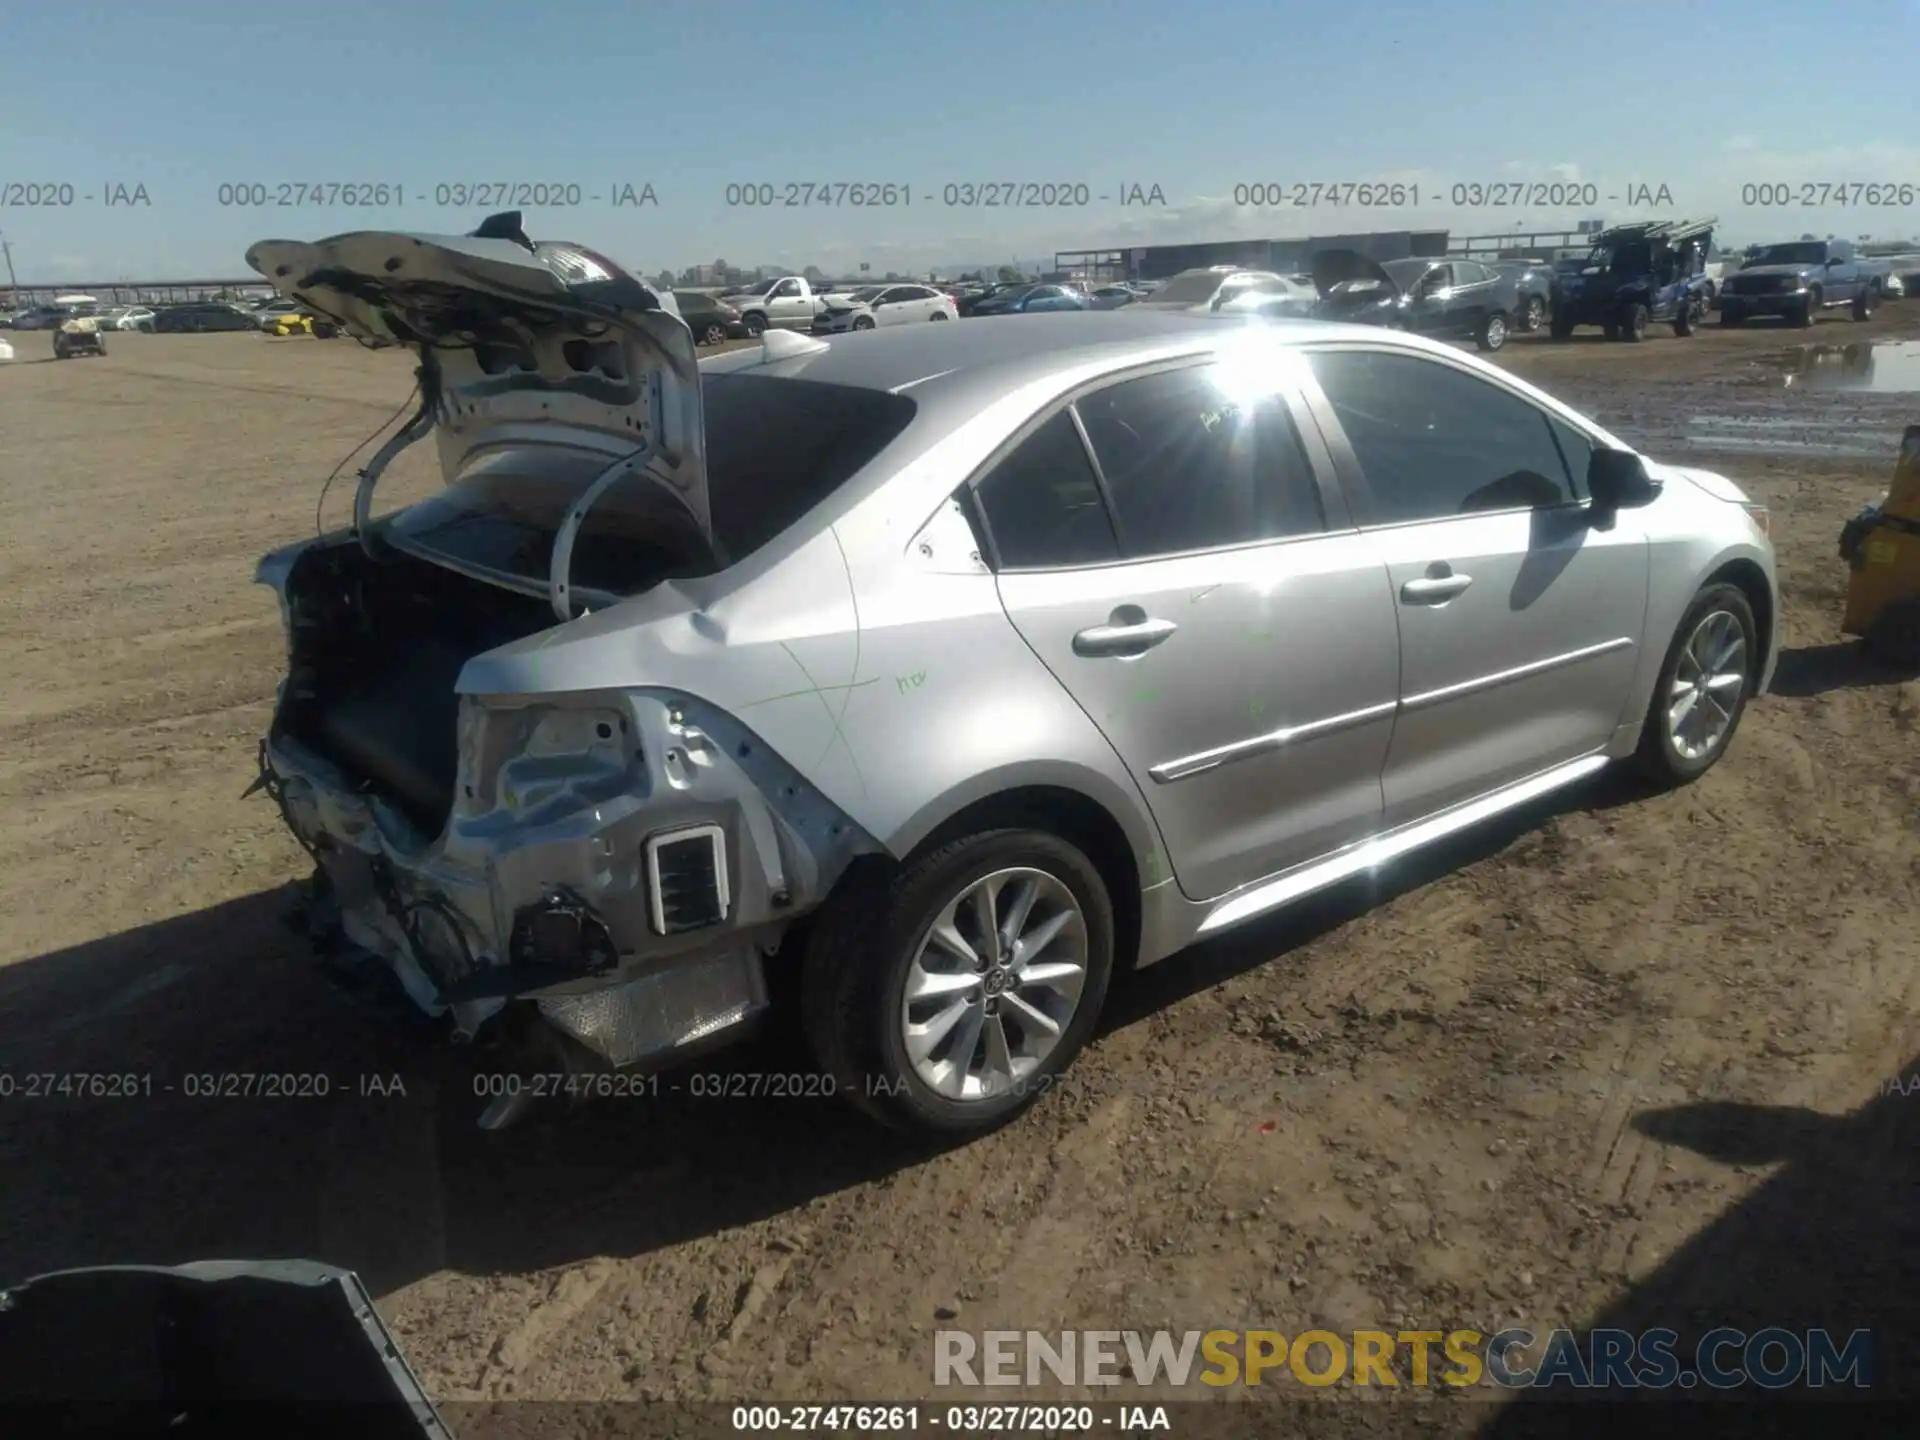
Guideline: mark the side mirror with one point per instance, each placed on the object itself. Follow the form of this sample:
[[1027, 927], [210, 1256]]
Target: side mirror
[[1618, 480]]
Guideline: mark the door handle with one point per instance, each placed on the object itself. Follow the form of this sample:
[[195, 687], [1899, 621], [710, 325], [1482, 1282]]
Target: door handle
[[1131, 637], [1434, 589]]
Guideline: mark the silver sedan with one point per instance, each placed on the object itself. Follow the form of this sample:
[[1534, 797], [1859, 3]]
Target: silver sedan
[[949, 670]]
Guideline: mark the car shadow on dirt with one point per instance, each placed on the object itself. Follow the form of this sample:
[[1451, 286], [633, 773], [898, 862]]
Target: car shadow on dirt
[[1829, 1241], [216, 1031], [1205, 965], [213, 1037], [1817, 669]]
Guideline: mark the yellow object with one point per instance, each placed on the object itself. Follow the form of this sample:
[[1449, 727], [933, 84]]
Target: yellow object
[[1887, 568]]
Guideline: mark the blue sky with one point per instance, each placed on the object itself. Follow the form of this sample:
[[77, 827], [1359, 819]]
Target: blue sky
[[182, 96]]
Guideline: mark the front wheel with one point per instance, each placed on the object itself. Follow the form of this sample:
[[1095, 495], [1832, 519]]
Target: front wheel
[[756, 324], [1702, 690], [1562, 328], [1633, 323], [1809, 312], [863, 322], [1687, 318], [1493, 331], [947, 996], [1535, 314], [1863, 304]]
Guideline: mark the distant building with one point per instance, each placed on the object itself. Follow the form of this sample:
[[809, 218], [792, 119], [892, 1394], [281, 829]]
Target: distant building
[[1288, 256]]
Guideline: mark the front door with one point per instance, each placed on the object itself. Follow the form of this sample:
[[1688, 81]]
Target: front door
[[1219, 620], [1429, 311], [1520, 619]]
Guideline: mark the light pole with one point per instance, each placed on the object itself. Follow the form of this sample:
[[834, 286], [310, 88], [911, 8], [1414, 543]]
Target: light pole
[[7, 250]]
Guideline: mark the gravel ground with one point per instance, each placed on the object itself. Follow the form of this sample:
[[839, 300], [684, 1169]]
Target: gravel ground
[[1623, 1059]]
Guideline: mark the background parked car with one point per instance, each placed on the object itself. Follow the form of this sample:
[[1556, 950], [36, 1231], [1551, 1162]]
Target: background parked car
[[202, 317], [302, 322], [1034, 300], [1220, 287], [48, 317], [1448, 299], [267, 314], [1272, 297], [878, 305], [1799, 279], [128, 317], [1112, 297], [981, 294], [1533, 282], [710, 318]]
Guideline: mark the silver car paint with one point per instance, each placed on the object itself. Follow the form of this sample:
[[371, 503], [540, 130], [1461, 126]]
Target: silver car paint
[[857, 683]]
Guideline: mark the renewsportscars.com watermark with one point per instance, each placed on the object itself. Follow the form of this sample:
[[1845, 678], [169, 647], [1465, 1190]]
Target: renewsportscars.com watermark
[[1774, 1358]]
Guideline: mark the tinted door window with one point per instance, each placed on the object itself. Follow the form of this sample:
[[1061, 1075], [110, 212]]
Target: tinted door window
[[1576, 450], [1434, 441], [1190, 467], [1042, 503]]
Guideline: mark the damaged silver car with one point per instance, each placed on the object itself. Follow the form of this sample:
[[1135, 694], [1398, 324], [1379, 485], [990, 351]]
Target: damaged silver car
[[949, 668]]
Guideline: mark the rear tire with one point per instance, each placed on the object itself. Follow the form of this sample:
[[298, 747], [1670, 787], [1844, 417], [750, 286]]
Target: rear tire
[[1864, 302], [1691, 720], [1534, 315], [871, 938], [1493, 331], [713, 334], [1561, 329], [1633, 323], [1611, 329]]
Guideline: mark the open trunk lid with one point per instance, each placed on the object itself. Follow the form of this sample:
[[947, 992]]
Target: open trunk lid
[[549, 376]]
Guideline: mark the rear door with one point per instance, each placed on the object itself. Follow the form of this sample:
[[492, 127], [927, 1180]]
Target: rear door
[[1175, 549], [1473, 298], [901, 305], [1520, 619]]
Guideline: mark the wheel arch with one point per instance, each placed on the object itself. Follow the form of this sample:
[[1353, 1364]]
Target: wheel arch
[[1115, 836], [1746, 576]]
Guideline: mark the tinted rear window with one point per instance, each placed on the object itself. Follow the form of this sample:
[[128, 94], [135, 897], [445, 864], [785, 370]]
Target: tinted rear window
[[775, 449]]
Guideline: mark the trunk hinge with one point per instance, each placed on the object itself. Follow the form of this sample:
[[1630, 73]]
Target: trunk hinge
[[560, 573], [417, 428]]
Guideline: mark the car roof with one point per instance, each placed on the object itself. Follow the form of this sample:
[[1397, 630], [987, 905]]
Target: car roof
[[954, 370]]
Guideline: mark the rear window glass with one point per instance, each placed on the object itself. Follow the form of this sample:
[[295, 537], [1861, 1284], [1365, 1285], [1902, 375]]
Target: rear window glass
[[775, 449]]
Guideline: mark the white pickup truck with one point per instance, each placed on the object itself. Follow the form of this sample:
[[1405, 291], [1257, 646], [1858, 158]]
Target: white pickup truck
[[788, 303]]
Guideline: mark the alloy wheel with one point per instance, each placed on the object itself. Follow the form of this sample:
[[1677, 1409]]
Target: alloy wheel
[[994, 984], [1707, 684]]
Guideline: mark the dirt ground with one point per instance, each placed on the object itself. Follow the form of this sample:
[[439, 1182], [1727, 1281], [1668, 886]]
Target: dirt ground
[[1624, 1059]]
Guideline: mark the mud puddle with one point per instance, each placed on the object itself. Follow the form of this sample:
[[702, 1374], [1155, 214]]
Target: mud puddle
[[1883, 367]]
